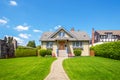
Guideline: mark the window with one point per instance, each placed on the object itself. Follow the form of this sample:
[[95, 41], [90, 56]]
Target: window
[[109, 35], [103, 36], [114, 36], [61, 34], [77, 44], [49, 44]]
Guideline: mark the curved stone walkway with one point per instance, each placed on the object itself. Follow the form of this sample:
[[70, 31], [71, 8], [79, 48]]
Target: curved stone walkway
[[57, 72]]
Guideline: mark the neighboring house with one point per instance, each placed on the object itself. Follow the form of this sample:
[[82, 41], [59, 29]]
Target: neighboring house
[[63, 42], [105, 35]]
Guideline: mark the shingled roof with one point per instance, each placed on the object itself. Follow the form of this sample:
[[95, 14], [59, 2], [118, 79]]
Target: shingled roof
[[75, 36], [103, 32]]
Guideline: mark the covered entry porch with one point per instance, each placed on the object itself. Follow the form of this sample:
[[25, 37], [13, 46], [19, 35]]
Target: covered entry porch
[[62, 48]]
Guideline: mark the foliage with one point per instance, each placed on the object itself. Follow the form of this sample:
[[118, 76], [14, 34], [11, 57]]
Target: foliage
[[31, 44], [92, 68], [49, 52], [24, 47], [25, 51], [77, 52], [38, 47], [25, 68], [108, 50], [44, 52], [92, 48]]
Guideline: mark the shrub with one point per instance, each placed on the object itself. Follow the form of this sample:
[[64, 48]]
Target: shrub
[[24, 52], [77, 52], [38, 47], [92, 48], [49, 52], [44, 52], [108, 50]]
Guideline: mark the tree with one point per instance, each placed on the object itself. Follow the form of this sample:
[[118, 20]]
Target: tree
[[31, 44], [38, 46]]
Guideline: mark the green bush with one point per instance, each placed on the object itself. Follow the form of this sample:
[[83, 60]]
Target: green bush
[[91, 48], [108, 50], [44, 52], [77, 52], [24, 52], [49, 52]]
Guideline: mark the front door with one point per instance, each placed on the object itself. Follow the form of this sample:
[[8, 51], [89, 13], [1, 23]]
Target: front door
[[62, 45]]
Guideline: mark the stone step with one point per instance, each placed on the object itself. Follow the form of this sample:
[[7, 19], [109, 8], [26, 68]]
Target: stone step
[[63, 53]]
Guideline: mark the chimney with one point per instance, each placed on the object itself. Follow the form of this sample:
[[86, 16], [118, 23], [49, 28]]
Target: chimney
[[72, 29], [93, 36]]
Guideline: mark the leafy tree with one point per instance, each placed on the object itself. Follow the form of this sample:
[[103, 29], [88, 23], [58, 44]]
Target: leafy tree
[[31, 44], [38, 46]]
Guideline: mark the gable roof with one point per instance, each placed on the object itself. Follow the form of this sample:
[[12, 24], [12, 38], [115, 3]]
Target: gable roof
[[103, 32], [61, 28], [45, 35], [75, 35]]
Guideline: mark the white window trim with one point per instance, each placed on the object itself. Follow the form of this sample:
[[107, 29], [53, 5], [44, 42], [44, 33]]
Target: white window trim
[[75, 44]]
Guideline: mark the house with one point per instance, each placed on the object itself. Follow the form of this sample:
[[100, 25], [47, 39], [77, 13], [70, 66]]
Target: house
[[63, 42], [105, 35]]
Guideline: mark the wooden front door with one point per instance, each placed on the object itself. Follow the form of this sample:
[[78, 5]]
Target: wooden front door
[[61, 45]]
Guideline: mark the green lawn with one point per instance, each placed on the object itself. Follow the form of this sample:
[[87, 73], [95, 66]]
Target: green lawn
[[92, 68], [25, 68]]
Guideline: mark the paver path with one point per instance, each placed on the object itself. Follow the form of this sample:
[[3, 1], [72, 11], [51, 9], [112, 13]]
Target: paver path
[[57, 71]]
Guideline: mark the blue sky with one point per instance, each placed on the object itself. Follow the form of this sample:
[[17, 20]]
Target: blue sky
[[27, 19]]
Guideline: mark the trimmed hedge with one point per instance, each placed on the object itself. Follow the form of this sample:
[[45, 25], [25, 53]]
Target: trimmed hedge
[[77, 52], [108, 50], [44, 52], [24, 52]]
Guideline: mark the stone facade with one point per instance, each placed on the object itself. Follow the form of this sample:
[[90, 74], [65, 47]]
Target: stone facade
[[7, 47]]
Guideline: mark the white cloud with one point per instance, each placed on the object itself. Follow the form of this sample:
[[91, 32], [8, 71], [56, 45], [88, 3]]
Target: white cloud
[[26, 36], [4, 20], [21, 28], [36, 30], [13, 3], [19, 40], [58, 26]]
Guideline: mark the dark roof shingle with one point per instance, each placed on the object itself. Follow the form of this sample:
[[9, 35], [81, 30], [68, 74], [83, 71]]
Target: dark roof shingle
[[103, 32]]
